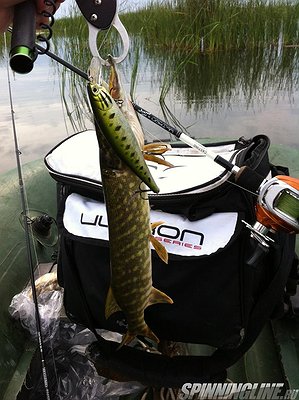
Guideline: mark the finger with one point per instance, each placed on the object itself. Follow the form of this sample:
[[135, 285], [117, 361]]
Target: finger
[[6, 15], [42, 8], [10, 3]]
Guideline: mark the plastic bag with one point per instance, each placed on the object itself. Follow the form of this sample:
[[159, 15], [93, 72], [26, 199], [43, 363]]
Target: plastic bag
[[50, 301], [80, 381], [71, 376]]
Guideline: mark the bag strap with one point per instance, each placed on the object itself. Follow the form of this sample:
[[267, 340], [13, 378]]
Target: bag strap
[[158, 370], [130, 364]]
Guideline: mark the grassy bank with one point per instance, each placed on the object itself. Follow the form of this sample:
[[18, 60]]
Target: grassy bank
[[204, 25], [210, 25], [200, 25], [203, 49]]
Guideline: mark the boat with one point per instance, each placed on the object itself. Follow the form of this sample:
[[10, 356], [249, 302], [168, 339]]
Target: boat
[[17, 348], [274, 357]]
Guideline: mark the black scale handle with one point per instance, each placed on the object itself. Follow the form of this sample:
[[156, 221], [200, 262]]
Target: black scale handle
[[22, 54]]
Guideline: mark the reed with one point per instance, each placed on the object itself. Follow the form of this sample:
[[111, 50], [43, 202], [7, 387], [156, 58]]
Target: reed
[[187, 41], [210, 25]]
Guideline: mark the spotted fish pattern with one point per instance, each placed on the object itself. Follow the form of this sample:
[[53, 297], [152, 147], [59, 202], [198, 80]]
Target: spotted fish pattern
[[128, 212]]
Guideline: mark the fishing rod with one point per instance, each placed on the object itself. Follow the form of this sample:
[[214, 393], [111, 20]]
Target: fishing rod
[[24, 50], [278, 198], [28, 240], [54, 57], [187, 140], [22, 54], [282, 209]]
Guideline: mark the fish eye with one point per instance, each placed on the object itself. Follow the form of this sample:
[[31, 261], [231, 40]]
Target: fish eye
[[96, 90]]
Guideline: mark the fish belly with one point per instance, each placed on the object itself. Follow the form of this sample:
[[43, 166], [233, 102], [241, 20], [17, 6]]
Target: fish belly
[[130, 255]]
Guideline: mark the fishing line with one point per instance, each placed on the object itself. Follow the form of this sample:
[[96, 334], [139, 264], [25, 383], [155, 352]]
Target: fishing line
[[189, 141], [243, 188], [105, 37], [152, 135], [28, 234], [173, 131]]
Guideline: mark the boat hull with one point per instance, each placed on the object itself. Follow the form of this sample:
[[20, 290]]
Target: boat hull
[[15, 345]]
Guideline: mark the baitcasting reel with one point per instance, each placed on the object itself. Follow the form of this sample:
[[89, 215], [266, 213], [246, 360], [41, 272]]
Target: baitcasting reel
[[277, 209]]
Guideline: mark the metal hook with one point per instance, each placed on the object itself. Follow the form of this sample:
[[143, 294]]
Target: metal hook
[[93, 34], [101, 15]]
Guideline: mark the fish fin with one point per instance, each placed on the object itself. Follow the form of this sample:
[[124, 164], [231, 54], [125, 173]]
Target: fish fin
[[157, 148], [157, 296], [160, 249], [111, 305], [129, 337], [155, 224], [157, 160], [152, 150], [147, 332]]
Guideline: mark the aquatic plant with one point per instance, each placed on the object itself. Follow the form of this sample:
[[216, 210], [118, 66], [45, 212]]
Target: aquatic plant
[[211, 25], [187, 41]]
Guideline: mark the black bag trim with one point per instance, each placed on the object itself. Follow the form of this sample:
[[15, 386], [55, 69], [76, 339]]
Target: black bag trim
[[162, 371], [156, 370], [247, 156], [227, 239]]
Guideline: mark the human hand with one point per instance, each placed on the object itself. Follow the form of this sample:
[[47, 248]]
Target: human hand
[[7, 10]]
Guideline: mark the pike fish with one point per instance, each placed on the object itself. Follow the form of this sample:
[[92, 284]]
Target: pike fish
[[150, 151], [128, 212]]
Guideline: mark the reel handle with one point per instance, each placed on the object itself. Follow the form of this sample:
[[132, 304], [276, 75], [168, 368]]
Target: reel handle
[[22, 54]]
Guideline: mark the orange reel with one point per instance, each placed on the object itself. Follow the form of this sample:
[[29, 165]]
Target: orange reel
[[272, 220]]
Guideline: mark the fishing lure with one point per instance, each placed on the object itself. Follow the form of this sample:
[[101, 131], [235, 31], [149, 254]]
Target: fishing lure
[[118, 133]]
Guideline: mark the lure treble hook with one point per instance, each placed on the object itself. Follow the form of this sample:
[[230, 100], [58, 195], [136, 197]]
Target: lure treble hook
[[100, 15]]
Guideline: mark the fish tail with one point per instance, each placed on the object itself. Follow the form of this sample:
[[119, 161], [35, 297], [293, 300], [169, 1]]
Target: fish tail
[[146, 332]]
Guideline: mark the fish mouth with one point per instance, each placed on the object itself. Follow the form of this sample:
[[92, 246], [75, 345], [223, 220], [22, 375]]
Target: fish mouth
[[114, 83]]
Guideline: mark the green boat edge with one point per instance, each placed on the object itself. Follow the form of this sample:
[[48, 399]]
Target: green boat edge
[[273, 358]]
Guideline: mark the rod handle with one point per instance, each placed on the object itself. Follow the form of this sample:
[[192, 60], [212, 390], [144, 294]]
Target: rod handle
[[22, 54]]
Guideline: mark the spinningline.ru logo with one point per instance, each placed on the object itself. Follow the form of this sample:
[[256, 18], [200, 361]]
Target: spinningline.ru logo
[[242, 391]]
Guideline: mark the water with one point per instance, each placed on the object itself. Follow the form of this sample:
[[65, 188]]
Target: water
[[237, 94], [38, 114], [220, 95]]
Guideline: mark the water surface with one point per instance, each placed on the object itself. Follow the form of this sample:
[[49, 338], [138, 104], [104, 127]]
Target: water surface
[[38, 114], [220, 95]]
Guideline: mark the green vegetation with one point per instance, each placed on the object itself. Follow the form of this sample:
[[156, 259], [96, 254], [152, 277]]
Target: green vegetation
[[208, 55], [190, 26], [206, 51], [206, 25], [198, 25], [209, 25], [190, 39]]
